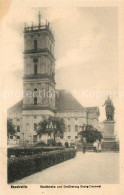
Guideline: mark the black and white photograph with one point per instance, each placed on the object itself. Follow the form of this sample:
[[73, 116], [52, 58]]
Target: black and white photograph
[[60, 93]]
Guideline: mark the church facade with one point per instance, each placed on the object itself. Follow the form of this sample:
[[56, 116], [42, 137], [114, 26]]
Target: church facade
[[41, 99]]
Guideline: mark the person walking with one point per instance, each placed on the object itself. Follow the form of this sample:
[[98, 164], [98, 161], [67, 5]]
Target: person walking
[[99, 147], [84, 145], [95, 144]]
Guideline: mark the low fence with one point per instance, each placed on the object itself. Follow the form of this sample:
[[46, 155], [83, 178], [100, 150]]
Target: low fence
[[110, 146]]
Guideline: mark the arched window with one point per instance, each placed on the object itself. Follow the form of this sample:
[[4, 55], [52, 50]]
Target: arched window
[[76, 128], [35, 126], [35, 93], [35, 100], [35, 69], [18, 128], [27, 131], [69, 128], [27, 127], [35, 44]]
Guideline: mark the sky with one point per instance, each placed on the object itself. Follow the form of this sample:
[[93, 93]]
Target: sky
[[86, 52]]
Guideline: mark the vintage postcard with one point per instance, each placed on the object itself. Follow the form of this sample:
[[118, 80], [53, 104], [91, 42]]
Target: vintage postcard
[[61, 97]]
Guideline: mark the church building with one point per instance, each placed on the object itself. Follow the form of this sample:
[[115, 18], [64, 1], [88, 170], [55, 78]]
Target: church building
[[41, 98]]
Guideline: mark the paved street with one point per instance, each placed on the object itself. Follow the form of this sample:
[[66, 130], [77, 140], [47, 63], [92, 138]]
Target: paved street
[[88, 168]]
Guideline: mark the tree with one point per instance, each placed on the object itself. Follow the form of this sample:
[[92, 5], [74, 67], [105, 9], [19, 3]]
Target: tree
[[90, 133], [51, 125], [10, 127]]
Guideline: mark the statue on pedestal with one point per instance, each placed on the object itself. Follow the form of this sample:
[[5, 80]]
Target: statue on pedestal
[[109, 108]]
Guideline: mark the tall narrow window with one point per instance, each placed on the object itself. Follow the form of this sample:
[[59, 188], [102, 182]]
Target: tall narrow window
[[35, 126], [76, 128], [27, 132], [35, 44], [35, 69], [35, 100], [18, 128], [27, 127], [69, 128], [35, 92]]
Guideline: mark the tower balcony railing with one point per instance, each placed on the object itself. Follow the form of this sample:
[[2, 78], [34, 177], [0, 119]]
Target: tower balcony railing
[[39, 51], [39, 28], [36, 76]]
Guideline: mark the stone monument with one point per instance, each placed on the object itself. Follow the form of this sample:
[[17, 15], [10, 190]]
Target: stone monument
[[109, 138]]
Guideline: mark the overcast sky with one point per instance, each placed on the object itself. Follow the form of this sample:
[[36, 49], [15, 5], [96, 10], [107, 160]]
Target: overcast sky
[[86, 51]]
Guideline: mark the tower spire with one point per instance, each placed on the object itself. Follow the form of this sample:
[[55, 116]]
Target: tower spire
[[39, 18]]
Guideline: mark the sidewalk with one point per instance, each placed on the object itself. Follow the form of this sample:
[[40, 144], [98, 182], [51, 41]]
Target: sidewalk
[[88, 168]]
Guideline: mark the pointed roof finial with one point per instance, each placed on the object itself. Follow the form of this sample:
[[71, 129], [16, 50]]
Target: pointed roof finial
[[39, 18]]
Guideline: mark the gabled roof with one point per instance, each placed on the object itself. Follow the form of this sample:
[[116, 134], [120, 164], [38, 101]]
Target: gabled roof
[[65, 102]]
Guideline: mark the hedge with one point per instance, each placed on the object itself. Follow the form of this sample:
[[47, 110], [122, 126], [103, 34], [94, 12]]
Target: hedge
[[24, 166], [30, 151]]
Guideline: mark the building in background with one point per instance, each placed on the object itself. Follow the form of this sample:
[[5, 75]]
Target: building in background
[[41, 99]]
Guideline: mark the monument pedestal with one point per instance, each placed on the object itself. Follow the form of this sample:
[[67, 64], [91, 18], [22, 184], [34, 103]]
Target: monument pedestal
[[109, 139]]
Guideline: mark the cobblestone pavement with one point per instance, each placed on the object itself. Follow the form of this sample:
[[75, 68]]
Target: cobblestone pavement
[[88, 168]]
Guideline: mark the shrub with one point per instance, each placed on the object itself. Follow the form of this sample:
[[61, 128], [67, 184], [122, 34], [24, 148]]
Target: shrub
[[51, 142], [30, 151], [41, 143], [59, 144], [23, 166]]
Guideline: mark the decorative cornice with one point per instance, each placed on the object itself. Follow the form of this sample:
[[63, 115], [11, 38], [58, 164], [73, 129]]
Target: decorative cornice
[[39, 76], [33, 51], [39, 30], [37, 107]]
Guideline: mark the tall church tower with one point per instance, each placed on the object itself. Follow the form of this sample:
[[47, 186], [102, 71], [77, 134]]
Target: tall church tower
[[39, 68], [38, 79]]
